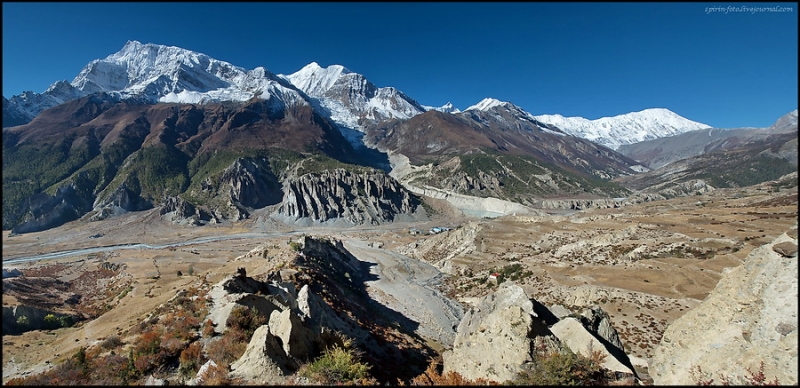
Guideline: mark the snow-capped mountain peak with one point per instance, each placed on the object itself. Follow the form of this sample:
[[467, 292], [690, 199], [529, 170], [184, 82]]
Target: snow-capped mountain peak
[[159, 73], [486, 104], [626, 128], [315, 80], [446, 108], [350, 98]]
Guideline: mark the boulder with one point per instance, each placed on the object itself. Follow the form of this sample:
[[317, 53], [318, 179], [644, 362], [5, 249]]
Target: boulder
[[598, 322], [202, 374], [323, 321], [750, 317], [298, 340], [577, 338], [495, 338], [264, 361], [786, 248]]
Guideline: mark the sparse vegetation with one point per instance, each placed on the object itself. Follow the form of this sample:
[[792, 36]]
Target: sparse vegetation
[[243, 322], [751, 378], [563, 368], [295, 246], [433, 376], [338, 365], [23, 320]]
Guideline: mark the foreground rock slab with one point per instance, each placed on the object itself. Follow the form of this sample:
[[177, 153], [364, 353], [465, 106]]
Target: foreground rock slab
[[750, 317]]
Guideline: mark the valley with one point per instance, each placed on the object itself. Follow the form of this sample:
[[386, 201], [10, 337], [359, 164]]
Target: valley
[[170, 218], [645, 264]]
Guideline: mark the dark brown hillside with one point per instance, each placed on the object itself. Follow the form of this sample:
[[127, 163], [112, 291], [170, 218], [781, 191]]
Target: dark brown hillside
[[66, 116], [429, 135], [120, 152]]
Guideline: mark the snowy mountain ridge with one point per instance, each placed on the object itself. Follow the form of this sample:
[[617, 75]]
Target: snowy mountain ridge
[[446, 108], [158, 73], [351, 100], [627, 128]]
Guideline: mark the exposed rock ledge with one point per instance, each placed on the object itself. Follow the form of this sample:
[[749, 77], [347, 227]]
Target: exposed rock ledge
[[750, 317]]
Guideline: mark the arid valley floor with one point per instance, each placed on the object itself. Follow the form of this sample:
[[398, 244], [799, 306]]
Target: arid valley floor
[[644, 264]]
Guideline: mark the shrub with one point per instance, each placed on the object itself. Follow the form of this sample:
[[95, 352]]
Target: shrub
[[563, 368], [149, 343], [432, 376], [111, 342], [22, 320], [225, 349], [244, 321], [66, 321], [181, 325], [337, 365], [216, 375], [51, 322], [295, 246], [191, 359], [208, 328]]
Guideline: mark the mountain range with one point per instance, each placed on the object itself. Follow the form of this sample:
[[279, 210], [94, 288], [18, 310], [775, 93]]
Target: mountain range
[[207, 141], [156, 73], [660, 152]]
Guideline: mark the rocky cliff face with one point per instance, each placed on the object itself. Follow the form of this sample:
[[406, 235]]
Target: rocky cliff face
[[339, 195], [44, 211], [750, 317]]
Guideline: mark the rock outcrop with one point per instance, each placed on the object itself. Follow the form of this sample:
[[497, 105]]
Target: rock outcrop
[[120, 201], [177, 210], [44, 211], [495, 339], [749, 318], [581, 204], [264, 361], [339, 195], [505, 332], [577, 338]]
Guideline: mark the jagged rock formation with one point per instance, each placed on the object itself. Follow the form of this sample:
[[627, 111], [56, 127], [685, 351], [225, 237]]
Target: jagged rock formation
[[751, 316], [119, 201], [300, 325], [368, 197], [44, 211], [502, 333], [245, 184], [581, 204], [177, 210], [332, 304]]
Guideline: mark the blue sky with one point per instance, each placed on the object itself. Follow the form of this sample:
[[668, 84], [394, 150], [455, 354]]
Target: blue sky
[[725, 69]]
